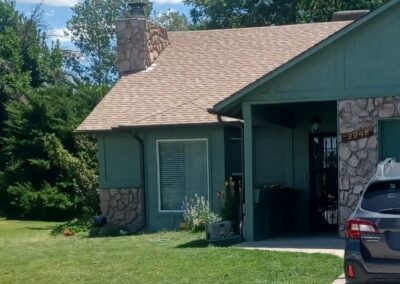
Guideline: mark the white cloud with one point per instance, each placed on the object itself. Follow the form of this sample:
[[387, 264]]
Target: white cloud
[[49, 13], [61, 3], [167, 1]]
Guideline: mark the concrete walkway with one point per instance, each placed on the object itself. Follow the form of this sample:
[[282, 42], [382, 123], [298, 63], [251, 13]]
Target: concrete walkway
[[326, 244]]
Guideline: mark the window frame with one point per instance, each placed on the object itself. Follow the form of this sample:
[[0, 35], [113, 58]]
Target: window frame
[[158, 141]]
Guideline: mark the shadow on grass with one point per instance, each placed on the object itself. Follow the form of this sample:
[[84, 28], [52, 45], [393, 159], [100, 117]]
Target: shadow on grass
[[204, 244], [194, 244], [46, 228]]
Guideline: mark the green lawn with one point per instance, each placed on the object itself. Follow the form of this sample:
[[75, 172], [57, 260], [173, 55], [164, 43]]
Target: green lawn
[[28, 254]]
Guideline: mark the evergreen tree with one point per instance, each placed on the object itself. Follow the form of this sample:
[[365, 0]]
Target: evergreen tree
[[34, 182], [36, 102]]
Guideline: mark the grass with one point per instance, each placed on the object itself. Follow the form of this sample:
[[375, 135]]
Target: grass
[[28, 254]]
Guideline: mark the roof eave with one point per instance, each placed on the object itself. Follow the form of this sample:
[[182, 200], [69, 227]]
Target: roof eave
[[224, 105], [91, 131], [128, 127], [221, 123]]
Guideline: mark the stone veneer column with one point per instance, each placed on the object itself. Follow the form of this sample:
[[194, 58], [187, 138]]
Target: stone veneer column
[[123, 207], [358, 159]]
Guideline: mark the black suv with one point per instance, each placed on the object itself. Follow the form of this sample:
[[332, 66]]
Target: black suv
[[372, 253]]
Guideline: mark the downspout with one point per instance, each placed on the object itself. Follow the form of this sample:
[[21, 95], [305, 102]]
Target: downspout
[[142, 174]]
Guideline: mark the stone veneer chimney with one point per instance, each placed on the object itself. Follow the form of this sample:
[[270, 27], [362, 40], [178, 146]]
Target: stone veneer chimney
[[139, 43], [351, 15]]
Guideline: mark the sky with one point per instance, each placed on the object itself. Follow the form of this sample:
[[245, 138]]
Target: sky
[[58, 12]]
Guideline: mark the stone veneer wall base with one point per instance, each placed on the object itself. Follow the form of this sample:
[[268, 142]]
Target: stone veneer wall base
[[124, 208]]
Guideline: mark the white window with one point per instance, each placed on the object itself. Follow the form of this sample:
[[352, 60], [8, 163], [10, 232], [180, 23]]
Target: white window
[[182, 171]]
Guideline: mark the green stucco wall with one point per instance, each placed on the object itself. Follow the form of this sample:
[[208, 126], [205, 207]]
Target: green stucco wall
[[119, 162], [119, 157], [389, 139], [272, 155]]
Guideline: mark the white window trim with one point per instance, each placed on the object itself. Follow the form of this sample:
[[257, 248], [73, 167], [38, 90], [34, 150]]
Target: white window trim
[[158, 169]]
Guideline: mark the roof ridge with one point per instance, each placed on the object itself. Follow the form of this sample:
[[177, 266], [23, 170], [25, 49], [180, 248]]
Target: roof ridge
[[259, 27]]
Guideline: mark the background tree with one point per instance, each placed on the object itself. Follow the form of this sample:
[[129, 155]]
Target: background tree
[[92, 28], [39, 109], [25, 59], [322, 10], [212, 14], [172, 21]]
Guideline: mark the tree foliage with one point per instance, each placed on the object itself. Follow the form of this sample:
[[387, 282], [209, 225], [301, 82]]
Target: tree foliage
[[212, 14], [92, 28], [322, 10], [39, 110], [173, 21], [26, 61], [83, 175], [38, 134]]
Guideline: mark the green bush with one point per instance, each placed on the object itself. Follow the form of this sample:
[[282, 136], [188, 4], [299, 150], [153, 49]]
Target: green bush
[[41, 204], [79, 227], [197, 213], [49, 173], [227, 201]]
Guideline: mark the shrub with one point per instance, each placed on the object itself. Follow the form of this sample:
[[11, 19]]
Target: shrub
[[78, 227], [77, 169], [227, 201], [42, 164], [43, 203], [197, 213]]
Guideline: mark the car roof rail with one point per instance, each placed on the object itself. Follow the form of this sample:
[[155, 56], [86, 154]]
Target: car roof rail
[[384, 166]]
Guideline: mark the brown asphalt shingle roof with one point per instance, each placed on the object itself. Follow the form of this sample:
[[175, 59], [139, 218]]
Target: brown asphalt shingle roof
[[199, 69]]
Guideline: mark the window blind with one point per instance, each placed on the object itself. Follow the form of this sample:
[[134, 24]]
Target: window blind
[[182, 172]]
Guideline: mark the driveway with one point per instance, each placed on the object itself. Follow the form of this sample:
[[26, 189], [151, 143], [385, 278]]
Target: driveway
[[327, 244]]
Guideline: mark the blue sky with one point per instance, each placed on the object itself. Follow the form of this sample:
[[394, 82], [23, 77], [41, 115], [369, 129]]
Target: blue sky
[[58, 12]]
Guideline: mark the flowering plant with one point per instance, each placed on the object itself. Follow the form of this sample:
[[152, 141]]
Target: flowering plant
[[197, 213]]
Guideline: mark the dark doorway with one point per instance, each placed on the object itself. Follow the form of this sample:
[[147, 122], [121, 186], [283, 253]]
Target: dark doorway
[[324, 182], [233, 173]]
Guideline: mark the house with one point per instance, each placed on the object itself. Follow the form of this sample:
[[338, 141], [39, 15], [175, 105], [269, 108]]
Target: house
[[313, 107]]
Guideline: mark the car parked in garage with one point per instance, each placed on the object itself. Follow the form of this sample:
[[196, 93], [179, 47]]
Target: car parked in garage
[[372, 253]]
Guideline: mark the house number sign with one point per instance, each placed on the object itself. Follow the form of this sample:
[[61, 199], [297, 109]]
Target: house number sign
[[358, 134]]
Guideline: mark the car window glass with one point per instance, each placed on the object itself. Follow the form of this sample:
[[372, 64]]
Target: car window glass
[[381, 196]]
